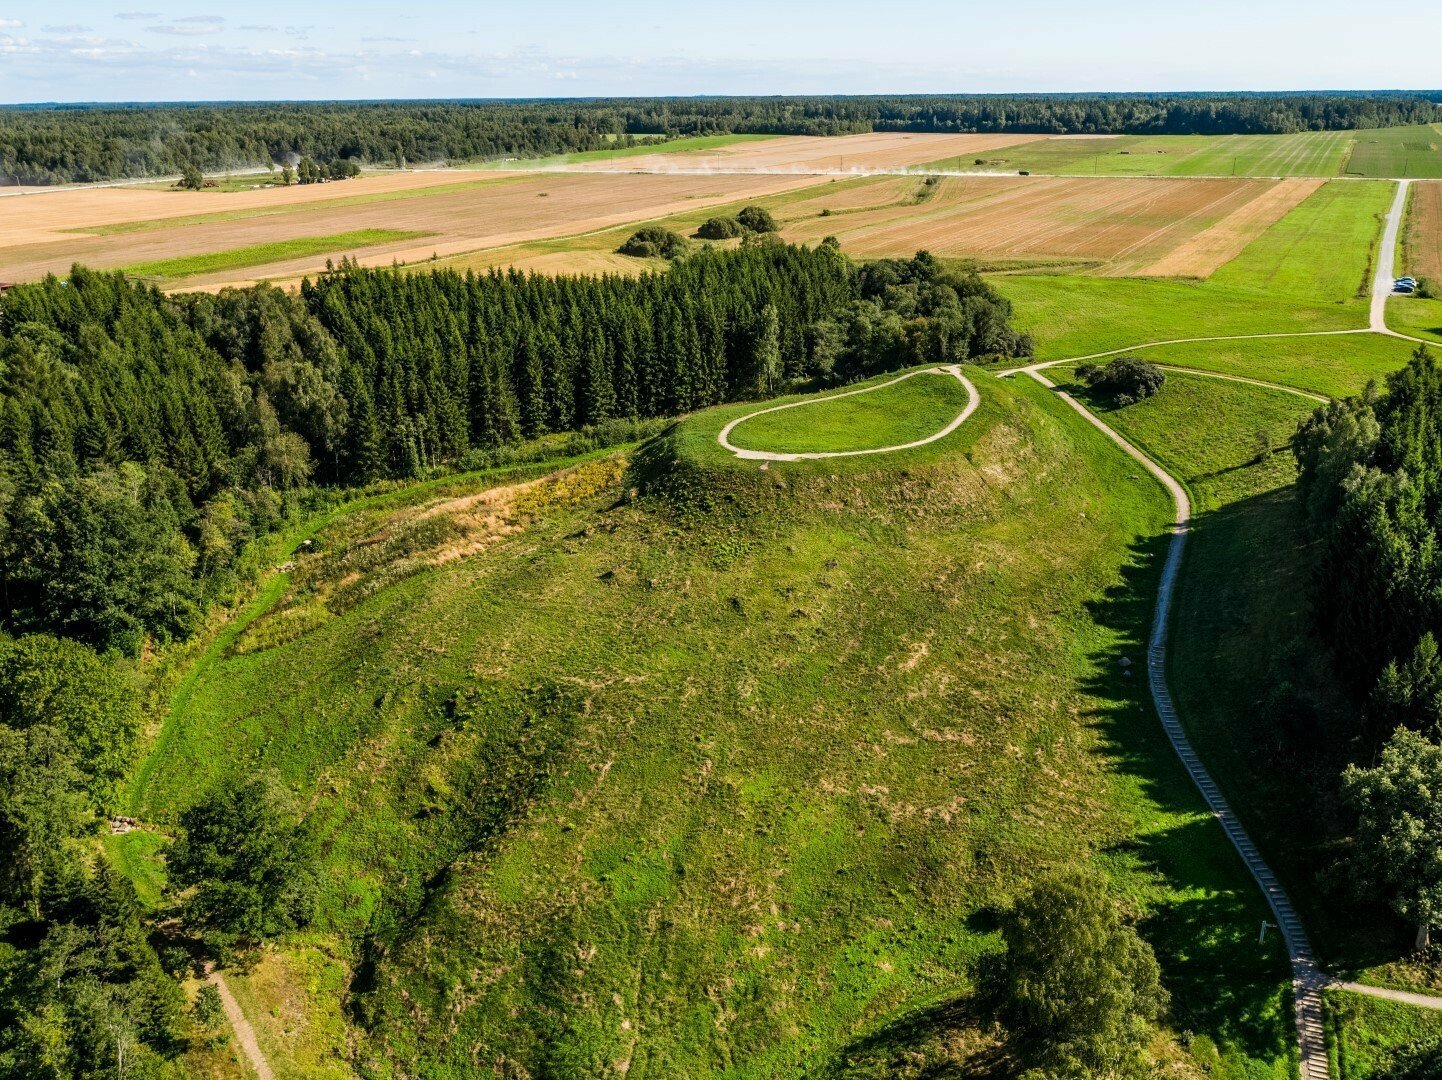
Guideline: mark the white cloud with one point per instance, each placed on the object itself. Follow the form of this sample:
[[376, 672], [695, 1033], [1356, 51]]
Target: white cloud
[[68, 28], [10, 24], [190, 26]]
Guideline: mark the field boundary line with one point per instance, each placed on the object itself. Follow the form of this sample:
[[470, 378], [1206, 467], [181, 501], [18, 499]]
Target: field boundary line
[[972, 400]]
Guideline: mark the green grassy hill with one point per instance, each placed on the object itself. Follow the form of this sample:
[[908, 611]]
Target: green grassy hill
[[675, 765]]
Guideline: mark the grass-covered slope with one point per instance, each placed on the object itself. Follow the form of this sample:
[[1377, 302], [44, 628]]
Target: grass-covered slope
[[684, 767], [1308, 272]]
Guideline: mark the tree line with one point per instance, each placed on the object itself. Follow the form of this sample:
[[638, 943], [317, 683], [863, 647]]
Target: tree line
[[1371, 479], [145, 440], [79, 143]]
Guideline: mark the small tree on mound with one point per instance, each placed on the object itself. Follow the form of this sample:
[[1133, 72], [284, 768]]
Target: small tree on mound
[[653, 242], [1077, 988], [1126, 379], [191, 178], [720, 228], [757, 219], [245, 865]]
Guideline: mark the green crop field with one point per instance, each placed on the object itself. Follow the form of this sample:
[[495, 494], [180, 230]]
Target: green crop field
[[262, 254], [1313, 153], [746, 709], [902, 412], [1306, 273], [1414, 152]]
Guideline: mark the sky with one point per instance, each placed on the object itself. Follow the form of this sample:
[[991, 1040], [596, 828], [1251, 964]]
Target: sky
[[190, 50]]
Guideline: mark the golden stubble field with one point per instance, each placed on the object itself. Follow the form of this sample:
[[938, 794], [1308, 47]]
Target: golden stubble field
[[1424, 230], [1149, 226], [572, 220], [489, 211]]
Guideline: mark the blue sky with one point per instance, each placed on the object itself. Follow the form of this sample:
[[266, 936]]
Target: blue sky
[[86, 50]]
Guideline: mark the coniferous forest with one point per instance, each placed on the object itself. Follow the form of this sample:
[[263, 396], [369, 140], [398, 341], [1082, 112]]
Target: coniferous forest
[[77, 143], [145, 439]]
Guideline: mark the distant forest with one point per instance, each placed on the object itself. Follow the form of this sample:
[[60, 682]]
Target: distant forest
[[61, 144]]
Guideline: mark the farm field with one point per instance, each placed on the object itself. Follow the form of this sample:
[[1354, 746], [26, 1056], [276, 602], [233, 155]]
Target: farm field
[[1306, 273], [1125, 226], [1101, 226], [1319, 153], [875, 151], [264, 254], [1414, 152], [783, 844], [1422, 240], [508, 209]]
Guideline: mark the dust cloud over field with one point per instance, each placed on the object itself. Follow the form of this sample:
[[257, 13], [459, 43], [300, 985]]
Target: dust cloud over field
[[877, 151]]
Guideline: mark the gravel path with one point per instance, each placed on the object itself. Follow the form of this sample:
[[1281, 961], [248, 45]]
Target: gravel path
[[1307, 979], [244, 1033]]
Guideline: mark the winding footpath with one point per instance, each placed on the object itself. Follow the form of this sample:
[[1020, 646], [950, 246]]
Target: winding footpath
[[1308, 979], [244, 1033]]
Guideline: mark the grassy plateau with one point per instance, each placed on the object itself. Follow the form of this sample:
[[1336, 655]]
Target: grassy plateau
[[886, 415]]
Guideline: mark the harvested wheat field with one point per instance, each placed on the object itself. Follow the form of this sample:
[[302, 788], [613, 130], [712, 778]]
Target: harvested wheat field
[[1225, 240], [1119, 226], [58, 214], [510, 209], [877, 151], [1424, 231]]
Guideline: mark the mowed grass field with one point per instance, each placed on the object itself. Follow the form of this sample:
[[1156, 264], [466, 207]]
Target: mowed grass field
[[762, 753], [1401, 152], [1306, 154], [1308, 272], [1333, 366], [1414, 152], [886, 413]]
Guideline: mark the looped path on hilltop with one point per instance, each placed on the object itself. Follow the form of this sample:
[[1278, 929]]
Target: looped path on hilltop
[[972, 400]]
